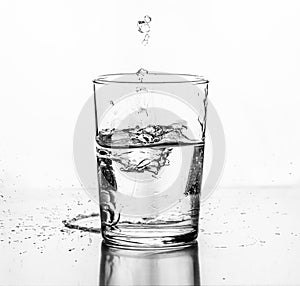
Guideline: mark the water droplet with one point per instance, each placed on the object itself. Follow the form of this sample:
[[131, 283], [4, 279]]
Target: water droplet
[[146, 40], [143, 27], [141, 72], [147, 19], [75, 222]]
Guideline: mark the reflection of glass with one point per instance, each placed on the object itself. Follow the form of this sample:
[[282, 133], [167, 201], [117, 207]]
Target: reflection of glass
[[129, 267], [150, 134]]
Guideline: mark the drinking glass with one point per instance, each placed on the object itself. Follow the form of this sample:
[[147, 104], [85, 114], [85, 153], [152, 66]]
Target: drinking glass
[[150, 135]]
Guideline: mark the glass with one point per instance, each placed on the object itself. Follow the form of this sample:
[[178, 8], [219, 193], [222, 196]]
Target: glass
[[150, 134]]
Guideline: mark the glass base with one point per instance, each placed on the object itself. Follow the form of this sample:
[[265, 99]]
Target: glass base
[[140, 237]]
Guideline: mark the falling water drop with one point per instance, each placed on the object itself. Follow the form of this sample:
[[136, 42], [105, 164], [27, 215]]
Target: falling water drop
[[147, 19], [146, 40], [143, 27]]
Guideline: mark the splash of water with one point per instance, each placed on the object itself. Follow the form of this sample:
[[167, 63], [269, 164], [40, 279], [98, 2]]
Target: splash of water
[[79, 222], [141, 136], [141, 73], [140, 161], [144, 25], [144, 28]]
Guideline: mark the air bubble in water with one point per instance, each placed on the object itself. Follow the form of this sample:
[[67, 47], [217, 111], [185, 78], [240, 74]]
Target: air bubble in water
[[141, 89]]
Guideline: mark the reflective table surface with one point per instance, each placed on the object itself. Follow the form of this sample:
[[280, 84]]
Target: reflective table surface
[[248, 236]]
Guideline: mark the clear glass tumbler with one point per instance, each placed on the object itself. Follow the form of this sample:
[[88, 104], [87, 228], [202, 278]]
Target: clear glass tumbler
[[150, 134]]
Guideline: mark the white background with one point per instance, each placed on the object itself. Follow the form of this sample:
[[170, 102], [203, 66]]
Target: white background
[[51, 51]]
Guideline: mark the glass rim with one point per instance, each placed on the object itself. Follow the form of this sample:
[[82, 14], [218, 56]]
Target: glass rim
[[115, 78]]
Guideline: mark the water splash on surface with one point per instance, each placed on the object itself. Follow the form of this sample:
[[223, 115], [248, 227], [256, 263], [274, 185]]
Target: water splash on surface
[[81, 222], [149, 135], [141, 73], [141, 162]]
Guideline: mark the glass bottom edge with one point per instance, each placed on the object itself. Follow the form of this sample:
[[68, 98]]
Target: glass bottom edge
[[151, 243]]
